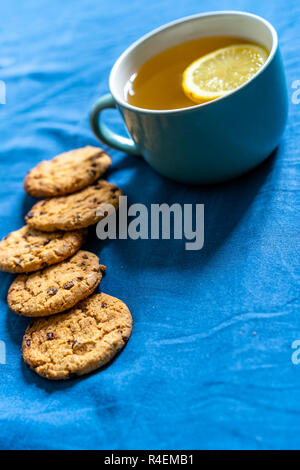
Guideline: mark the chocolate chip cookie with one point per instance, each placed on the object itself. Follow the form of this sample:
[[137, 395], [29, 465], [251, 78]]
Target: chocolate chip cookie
[[74, 211], [26, 250], [56, 288], [79, 341], [67, 173]]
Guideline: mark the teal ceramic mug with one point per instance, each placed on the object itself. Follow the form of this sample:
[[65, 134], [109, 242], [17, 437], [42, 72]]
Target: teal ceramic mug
[[210, 142]]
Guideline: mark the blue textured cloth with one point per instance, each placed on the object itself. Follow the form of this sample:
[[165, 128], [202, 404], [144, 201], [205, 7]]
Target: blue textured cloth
[[209, 361]]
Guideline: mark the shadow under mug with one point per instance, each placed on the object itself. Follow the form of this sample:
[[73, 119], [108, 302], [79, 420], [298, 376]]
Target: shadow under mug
[[210, 142]]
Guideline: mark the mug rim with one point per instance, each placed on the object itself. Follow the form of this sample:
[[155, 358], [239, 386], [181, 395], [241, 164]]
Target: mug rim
[[186, 19]]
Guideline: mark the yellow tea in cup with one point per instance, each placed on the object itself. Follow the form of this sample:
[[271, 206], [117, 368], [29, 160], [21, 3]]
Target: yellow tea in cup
[[184, 75]]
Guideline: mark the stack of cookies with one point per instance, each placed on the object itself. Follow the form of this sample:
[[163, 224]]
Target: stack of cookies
[[56, 276]]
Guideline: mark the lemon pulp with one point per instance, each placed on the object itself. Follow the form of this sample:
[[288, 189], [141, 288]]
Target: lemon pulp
[[219, 72]]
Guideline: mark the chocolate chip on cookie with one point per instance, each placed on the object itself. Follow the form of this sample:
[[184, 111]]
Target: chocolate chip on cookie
[[67, 173], [69, 285], [52, 290]]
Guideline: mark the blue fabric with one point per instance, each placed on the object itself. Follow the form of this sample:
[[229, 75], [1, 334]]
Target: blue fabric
[[209, 361]]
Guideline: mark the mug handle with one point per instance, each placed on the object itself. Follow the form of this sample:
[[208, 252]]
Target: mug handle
[[125, 144]]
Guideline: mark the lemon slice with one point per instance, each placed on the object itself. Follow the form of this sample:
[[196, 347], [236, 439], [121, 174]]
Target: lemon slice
[[218, 73]]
